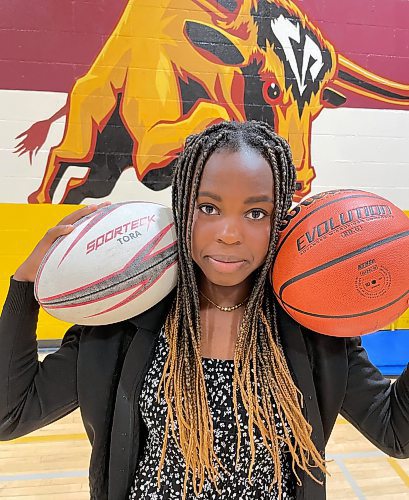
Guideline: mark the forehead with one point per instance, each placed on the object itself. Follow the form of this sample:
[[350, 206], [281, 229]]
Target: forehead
[[245, 172]]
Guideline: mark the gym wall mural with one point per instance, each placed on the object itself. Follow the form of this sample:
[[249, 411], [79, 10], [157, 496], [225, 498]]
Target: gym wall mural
[[97, 97]]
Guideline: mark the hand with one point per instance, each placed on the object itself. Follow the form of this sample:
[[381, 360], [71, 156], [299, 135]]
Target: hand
[[28, 269]]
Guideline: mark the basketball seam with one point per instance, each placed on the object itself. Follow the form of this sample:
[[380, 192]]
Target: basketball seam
[[340, 259], [346, 316], [318, 209]]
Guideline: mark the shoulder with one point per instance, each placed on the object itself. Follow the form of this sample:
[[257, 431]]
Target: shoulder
[[151, 320], [316, 344], [154, 318], [72, 335]]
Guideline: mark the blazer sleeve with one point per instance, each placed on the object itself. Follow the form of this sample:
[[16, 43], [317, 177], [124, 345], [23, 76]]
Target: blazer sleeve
[[32, 393], [378, 408]]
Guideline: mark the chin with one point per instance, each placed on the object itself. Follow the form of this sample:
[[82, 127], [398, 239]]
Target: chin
[[224, 279]]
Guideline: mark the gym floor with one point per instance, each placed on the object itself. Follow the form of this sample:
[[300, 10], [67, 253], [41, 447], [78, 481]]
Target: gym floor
[[52, 464]]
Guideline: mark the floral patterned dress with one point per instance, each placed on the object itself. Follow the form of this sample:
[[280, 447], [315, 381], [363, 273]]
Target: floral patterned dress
[[233, 484]]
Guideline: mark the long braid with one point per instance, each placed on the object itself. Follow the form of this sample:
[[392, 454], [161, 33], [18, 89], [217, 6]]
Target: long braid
[[261, 375]]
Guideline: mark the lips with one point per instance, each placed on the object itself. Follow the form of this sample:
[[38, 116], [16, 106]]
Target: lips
[[226, 258], [226, 263]]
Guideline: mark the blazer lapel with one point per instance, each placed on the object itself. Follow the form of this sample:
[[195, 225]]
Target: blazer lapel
[[298, 362], [125, 434]]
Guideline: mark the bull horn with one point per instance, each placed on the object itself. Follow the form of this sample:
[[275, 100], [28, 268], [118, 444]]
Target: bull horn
[[209, 6], [352, 77]]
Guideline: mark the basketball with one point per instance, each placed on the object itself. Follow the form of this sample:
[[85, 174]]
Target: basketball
[[116, 263], [341, 266]]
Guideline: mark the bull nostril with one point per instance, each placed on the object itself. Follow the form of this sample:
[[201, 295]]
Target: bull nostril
[[273, 91]]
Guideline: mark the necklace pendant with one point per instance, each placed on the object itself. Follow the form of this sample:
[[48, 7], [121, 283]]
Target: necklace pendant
[[224, 308]]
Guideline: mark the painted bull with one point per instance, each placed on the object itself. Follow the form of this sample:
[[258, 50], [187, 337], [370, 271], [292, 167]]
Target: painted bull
[[171, 70]]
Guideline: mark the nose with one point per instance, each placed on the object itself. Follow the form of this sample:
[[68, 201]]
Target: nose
[[228, 232]]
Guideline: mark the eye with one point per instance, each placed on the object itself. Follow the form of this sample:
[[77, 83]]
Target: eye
[[273, 91], [208, 209], [256, 214]]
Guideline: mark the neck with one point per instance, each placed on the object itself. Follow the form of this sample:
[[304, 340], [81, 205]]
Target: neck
[[225, 296]]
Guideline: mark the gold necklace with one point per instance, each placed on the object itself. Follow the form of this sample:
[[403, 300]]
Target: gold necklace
[[224, 308]]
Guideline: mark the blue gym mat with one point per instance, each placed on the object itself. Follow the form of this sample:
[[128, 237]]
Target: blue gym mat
[[388, 350]]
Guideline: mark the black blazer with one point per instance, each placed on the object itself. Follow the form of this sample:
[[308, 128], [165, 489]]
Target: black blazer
[[101, 369]]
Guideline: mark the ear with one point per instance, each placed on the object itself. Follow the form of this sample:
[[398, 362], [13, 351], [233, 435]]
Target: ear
[[212, 43], [333, 97]]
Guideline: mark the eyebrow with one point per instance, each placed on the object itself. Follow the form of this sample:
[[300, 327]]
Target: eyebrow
[[247, 201], [208, 194], [258, 199]]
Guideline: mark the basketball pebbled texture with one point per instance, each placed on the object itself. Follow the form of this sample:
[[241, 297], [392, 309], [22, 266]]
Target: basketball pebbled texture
[[116, 263], [342, 266]]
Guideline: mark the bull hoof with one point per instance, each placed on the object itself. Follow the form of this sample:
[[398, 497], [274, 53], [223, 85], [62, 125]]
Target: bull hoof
[[38, 197]]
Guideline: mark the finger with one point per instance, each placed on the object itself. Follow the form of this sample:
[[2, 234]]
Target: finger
[[55, 232], [77, 215], [82, 212], [21, 135], [30, 155]]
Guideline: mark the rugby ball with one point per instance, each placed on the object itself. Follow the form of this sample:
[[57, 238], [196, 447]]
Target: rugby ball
[[117, 262]]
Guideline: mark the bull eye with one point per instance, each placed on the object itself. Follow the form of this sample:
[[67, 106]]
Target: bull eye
[[273, 91]]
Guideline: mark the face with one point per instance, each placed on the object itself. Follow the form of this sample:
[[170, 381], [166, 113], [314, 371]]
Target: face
[[232, 220]]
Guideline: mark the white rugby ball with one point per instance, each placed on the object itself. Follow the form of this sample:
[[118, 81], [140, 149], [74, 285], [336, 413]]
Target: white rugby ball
[[117, 262]]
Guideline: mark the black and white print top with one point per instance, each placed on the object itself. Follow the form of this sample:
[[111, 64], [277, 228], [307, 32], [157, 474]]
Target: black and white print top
[[232, 485]]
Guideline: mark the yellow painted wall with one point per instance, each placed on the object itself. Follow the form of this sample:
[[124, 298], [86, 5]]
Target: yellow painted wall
[[21, 226]]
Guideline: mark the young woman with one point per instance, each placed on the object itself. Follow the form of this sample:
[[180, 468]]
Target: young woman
[[215, 393]]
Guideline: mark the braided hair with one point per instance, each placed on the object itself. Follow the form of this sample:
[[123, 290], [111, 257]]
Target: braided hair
[[258, 359]]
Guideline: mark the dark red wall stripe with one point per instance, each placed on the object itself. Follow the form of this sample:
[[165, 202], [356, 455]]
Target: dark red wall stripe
[[48, 44]]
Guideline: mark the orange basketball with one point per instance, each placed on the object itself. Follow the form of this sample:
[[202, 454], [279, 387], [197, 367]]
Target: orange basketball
[[342, 263]]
